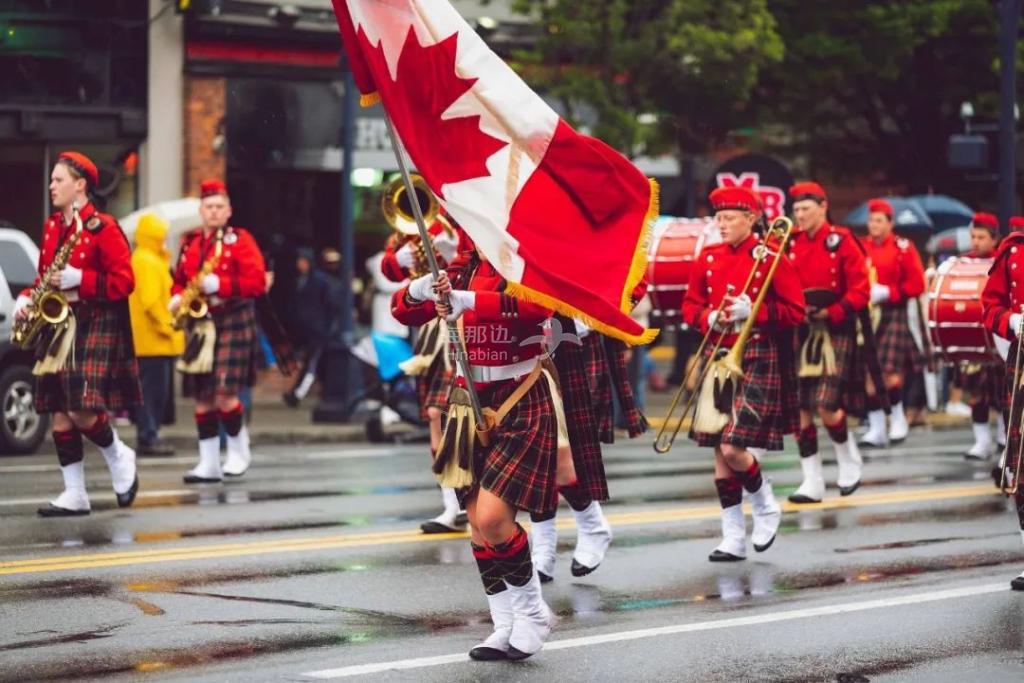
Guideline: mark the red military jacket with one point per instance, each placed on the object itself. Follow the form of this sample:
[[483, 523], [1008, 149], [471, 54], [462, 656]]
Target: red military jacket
[[1004, 292], [102, 254], [832, 260], [240, 268], [898, 267], [396, 273], [501, 330], [722, 265]]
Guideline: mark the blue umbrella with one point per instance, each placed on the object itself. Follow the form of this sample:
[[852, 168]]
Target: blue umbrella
[[908, 216], [945, 212]]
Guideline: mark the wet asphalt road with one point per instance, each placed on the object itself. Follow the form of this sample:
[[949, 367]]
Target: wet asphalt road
[[312, 565]]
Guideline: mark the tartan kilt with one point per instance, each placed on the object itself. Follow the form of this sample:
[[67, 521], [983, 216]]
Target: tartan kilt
[[434, 385], [581, 420], [760, 416], [521, 463], [829, 391], [983, 387], [897, 352], [596, 363], [234, 355], [105, 375]]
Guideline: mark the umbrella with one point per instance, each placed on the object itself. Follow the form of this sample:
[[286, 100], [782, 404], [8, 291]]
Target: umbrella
[[181, 215], [908, 216], [945, 212]]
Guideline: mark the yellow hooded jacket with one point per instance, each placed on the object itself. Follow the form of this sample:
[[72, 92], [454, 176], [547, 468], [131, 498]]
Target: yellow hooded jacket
[[151, 263]]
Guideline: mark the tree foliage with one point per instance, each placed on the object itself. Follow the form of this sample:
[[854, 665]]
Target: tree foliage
[[875, 87], [692, 64]]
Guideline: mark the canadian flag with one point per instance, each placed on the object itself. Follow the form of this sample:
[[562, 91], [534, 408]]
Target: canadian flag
[[563, 217]]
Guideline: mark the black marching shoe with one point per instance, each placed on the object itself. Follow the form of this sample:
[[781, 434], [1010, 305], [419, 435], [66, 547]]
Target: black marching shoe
[[487, 654], [128, 497], [1018, 583], [51, 510], [848, 490], [577, 569], [720, 556]]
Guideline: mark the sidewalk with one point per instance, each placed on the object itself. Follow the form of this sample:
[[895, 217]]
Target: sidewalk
[[271, 422]]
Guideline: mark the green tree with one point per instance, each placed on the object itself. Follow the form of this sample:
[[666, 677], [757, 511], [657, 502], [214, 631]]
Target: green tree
[[652, 76], [873, 87]]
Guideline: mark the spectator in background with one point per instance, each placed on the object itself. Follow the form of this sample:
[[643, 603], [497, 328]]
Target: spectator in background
[[312, 311], [157, 344]]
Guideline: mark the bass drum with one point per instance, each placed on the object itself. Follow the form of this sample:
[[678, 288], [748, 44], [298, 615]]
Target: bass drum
[[677, 243], [955, 314]]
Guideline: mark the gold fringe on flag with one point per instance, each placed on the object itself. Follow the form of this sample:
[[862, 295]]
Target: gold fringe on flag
[[636, 273]]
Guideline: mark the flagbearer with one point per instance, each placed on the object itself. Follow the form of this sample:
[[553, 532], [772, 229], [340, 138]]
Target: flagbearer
[[99, 373], [983, 384], [223, 267], [1003, 303], [516, 470], [758, 416], [900, 279], [830, 263]]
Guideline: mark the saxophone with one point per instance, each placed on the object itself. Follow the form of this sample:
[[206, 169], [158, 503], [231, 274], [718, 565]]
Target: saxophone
[[49, 305], [193, 302]]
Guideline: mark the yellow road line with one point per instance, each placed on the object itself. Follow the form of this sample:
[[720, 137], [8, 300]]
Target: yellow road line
[[206, 552]]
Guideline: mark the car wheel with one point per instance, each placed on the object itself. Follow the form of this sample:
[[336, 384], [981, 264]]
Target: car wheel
[[22, 429]]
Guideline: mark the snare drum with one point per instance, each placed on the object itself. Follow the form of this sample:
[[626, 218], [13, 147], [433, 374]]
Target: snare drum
[[677, 242], [955, 314]]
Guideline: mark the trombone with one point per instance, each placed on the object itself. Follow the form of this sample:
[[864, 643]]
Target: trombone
[[731, 365], [1010, 487]]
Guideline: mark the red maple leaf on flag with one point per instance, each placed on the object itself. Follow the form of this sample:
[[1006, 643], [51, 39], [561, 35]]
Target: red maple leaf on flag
[[444, 150]]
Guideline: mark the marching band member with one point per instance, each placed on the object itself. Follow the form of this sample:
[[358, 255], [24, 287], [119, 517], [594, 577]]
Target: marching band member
[[434, 381], [983, 384], [829, 261], [517, 469], [586, 380], [96, 280], [759, 416], [900, 279], [226, 266], [1003, 304]]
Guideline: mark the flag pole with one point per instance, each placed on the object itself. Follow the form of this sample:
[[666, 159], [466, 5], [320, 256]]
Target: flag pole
[[453, 329]]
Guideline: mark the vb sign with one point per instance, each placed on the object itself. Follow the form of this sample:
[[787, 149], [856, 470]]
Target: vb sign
[[766, 176]]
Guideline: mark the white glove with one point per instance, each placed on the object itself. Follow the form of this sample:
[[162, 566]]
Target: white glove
[[460, 301], [422, 288], [712, 320], [21, 305], [879, 294], [70, 277], [406, 256], [739, 309], [1014, 321], [174, 303], [211, 284], [447, 246]]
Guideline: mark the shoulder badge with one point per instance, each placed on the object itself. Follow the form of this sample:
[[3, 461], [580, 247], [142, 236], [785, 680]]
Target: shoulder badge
[[903, 243], [94, 224], [230, 238], [833, 241]]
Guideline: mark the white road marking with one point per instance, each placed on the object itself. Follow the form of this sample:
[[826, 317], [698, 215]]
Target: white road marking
[[639, 634]]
